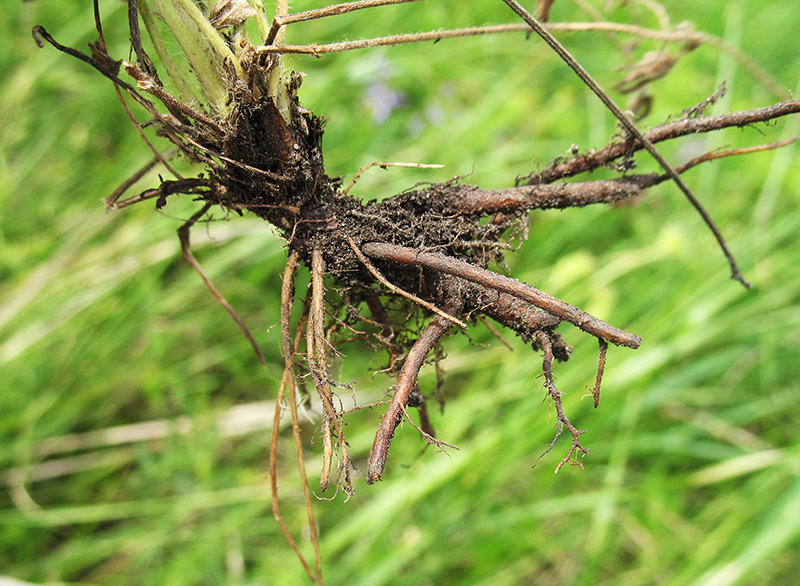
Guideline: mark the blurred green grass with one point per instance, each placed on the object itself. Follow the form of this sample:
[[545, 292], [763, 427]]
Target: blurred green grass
[[694, 470]]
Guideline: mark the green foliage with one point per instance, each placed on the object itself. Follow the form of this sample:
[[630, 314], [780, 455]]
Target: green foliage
[[693, 473]]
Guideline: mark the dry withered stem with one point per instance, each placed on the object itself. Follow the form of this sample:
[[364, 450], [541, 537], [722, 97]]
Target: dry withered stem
[[380, 268], [630, 126]]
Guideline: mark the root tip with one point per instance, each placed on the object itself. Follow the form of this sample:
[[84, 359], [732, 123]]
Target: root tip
[[738, 276]]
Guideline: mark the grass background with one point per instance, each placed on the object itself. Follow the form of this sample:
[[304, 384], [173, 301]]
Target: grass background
[[135, 418]]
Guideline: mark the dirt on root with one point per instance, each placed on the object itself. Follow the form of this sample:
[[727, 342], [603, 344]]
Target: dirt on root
[[277, 172]]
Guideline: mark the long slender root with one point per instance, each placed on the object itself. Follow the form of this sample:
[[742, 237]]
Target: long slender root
[[500, 283], [406, 384], [183, 234], [601, 366], [381, 279], [287, 392], [316, 343]]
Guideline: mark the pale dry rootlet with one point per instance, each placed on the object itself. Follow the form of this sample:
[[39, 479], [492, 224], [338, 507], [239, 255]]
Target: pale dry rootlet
[[378, 265]]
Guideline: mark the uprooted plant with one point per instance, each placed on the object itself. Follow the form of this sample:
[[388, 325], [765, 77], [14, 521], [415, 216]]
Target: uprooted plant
[[375, 265]]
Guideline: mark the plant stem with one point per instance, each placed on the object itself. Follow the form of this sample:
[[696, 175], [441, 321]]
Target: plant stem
[[202, 45]]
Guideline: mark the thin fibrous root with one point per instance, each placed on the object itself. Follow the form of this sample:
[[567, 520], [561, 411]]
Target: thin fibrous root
[[109, 68], [159, 157], [495, 332], [393, 288], [721, 154], [406, 384], [111, 201], [563, 421], [148, 84], [428, 437], [678, 35], [385, 164], [183, 234], [40, 35], [543, 9]]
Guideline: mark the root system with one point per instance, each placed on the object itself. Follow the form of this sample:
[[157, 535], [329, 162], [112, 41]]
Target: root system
[[377, 266]]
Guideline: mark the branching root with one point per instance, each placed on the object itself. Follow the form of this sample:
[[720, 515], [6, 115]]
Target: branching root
[[397, 273]]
